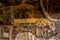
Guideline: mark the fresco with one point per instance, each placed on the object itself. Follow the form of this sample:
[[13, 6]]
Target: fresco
[[30, 19]]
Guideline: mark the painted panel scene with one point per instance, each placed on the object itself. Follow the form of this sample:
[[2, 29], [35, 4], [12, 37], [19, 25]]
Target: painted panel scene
[[29, 19]]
